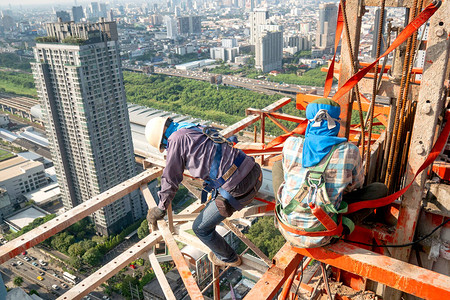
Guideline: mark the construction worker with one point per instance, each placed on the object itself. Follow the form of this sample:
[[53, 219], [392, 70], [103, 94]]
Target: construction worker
[[231, 177], [331, 159]]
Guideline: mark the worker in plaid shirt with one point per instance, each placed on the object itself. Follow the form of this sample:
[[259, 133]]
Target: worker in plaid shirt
[[344, 175]]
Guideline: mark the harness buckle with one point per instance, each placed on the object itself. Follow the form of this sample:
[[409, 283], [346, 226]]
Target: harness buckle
[[314, 180], [214, 134]]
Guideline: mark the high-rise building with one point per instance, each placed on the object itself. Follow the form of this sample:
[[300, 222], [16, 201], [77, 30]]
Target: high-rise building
[[258, 17], [80, 85], [189, 25], [326, 27], [300, 42], [63, 15], [229, 43], [102, 10], [269, 48], [110, 16], [172, 30], [94, 10], [77, 13]]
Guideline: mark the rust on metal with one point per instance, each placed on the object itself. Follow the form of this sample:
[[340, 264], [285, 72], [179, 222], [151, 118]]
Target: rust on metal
[[183, 269]]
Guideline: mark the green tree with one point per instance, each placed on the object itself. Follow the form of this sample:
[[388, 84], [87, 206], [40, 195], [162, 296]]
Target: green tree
[[92, 257], [266, 236], [62, 241], [33, 292], [143, 230], [76, 250], [18, 281]]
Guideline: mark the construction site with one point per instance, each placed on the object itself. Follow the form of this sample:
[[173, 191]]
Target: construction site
[[402, 130]]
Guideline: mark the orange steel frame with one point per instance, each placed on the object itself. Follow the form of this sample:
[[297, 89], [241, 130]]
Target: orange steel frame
[[365, 263]]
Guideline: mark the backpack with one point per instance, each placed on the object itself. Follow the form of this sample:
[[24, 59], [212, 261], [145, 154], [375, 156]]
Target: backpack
[[310, 219]]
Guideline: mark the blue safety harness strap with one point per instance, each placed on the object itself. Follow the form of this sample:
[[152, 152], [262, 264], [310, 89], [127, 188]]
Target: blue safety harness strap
[[213, 184]]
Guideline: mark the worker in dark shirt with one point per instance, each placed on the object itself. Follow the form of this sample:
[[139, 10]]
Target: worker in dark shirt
[[234, 178]]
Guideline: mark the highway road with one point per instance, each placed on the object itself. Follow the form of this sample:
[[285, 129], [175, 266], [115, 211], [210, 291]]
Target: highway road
[[18, 266], [263, 86]]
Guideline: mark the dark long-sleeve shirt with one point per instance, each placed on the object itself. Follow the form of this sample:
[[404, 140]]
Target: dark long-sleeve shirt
[[192, 150]]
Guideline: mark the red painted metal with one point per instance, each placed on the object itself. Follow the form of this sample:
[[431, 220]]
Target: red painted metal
[[285, 262], [442, 169], [287, 286], [397, 274]]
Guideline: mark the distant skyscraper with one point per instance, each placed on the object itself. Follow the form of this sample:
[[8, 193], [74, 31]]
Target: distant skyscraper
[[269, 48], [172, 30], [110, 16], [189, 25], [64, 15], [102, 10], [257, 17], [77, 13], [81, 90], [94, 10], [326, 29]]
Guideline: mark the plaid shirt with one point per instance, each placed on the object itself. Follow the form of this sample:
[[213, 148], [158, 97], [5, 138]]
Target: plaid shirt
[[343, 174]]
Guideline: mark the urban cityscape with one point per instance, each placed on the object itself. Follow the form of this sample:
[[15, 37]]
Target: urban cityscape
[[79, 81]]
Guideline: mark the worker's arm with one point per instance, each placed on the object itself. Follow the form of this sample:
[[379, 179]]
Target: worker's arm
[[172, 174]]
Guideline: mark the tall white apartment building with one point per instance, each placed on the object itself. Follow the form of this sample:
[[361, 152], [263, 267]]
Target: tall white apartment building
[[269, 48], [79, 81], [258, 17], [172, 29]]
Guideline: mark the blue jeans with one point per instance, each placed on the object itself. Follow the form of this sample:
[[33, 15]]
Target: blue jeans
[[205, 228]]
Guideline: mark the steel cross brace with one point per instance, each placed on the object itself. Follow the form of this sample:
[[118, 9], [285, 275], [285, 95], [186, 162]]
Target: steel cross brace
[[183, 269], [43, 232], [107, 271], [285, 262]]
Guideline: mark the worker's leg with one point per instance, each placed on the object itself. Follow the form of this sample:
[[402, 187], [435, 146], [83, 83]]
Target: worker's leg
[[205, 228], [277, 176], [371, 191]]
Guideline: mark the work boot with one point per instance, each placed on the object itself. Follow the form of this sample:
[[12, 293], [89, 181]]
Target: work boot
[[213, 258]]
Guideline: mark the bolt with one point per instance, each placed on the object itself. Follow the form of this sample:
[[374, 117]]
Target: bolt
[[439, 32], [420, 149], [426, 108]]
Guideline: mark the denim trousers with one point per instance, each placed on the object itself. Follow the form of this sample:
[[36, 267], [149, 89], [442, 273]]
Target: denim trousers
[[205, 228]]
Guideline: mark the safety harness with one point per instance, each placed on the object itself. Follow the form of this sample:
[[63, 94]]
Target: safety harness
[[312, 198], [213, 184]]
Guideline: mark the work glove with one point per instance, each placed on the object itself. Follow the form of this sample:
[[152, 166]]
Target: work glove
[[154, 214]]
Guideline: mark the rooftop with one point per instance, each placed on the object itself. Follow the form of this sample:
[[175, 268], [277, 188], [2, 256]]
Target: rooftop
[[16, 166], [25, 216]]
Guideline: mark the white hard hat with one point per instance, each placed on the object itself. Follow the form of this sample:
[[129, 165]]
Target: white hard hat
[[154, 131]]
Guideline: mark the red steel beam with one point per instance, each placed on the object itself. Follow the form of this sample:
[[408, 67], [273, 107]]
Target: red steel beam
[[43, 232], [285, 262], [286, 117], [397, 274]]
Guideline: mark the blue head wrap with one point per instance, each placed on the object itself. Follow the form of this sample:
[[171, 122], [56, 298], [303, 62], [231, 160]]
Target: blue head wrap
[[321, 133], [174, 126]]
